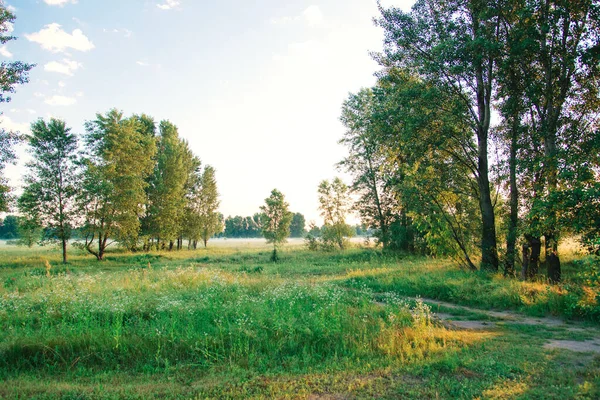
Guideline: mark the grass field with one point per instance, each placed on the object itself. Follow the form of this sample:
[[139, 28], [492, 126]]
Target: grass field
[[224, 322]]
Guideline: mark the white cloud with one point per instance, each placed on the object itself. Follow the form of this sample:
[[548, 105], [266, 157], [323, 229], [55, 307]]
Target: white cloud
[[31, 111], [12, 9], [312, 16], [66, 67], [79, 94], [54, 39], [9, 124], [60, 3], [38, 94], [142, 63], [58, 100], [126, 32], [169, 4], [5, 53], [61, 84]]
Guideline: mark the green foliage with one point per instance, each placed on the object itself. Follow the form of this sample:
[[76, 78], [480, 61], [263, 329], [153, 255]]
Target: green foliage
[[297, 227], [276, 219], [51, 184], [453, 48], [30, 232], [11, 74], [377, 205], [119, 158], [243, 227], [170, 183], [9, 227], [207, 203], [334, 203]]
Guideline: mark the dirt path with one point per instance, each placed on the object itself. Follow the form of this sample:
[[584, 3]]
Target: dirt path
[[498, 318]]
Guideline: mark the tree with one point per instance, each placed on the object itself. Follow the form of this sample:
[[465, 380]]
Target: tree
[[377, 205], [334, 205], [170, 183], [548, 95], [9, 227], [11, 74], [562, 88], [276, 219], [297, 226], [203, 207], [455, 45], [118, 159], [52, 179]]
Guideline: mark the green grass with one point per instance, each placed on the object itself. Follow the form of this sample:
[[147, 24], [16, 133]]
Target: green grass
[[225, 322]]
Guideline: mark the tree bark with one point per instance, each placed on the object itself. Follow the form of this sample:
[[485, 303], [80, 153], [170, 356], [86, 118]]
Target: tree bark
[[489, 248], [525, 266], [534, 260], [553, 263], [64, 250], [511, 237]]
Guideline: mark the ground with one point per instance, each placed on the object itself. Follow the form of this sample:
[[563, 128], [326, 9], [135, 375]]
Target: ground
[[224, 322]]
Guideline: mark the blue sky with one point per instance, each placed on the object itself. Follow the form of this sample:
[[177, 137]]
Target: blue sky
[[254, 86]]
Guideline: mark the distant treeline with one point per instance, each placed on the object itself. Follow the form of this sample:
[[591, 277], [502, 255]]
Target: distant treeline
[[251, 227]]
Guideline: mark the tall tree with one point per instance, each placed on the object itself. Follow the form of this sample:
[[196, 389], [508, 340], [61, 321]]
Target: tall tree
[[432, 158], [455, 44], [335, 204], [276, 219], [118, 159], [11, 74], [562, 88], [549, 101], [52, 179], [204, 204], [377, 206], [169, 185], [297, 228]]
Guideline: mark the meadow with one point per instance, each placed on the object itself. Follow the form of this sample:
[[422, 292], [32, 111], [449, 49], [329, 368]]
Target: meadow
[[225, 322]]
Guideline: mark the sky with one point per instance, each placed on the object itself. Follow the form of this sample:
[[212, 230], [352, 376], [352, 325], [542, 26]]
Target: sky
[[255, 87]]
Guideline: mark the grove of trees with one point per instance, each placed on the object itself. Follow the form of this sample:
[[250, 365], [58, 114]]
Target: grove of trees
[[130, 183], [482, 129]]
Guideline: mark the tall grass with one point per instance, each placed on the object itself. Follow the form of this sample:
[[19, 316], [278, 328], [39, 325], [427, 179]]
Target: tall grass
[[150, 320]]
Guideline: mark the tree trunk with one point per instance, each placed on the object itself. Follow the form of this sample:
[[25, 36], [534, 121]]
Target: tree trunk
[[64, 250], [525, 266], [534, 260], [551, 236], [553, 263], [511, 237], [489, 250], [205, 242]]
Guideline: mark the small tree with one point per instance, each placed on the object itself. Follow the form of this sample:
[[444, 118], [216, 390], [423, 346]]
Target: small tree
[[335, 204], [50, 186], [276, 219]]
